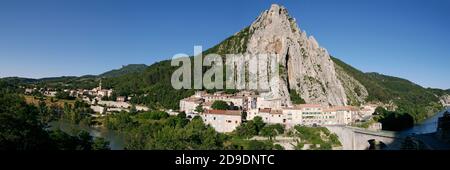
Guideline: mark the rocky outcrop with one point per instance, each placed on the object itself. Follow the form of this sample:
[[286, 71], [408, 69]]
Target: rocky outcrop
[[309, 68], [445, 100]]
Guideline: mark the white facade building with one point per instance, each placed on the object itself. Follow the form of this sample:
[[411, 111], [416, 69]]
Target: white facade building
[[262, 102], [222, 120], [268, 115], [188, 105], [306, 114]]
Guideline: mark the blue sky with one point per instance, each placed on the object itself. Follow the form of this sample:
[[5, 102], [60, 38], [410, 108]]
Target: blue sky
[[404, 38]]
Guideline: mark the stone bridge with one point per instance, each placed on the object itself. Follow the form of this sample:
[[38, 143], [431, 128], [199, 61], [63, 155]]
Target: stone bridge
[[353, 138]]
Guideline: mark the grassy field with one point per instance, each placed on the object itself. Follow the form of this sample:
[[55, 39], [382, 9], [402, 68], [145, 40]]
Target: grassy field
[[48, 101]]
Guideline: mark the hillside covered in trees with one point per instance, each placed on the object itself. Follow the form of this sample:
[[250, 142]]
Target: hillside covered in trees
[[25, 127], [406, 96]]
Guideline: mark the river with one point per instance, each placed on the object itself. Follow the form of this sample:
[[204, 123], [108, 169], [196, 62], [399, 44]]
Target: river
[[116, 140], [427, 126]]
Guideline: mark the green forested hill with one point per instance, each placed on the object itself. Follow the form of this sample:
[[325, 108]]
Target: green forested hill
[[410, 98], [151, 86], [131, 68]]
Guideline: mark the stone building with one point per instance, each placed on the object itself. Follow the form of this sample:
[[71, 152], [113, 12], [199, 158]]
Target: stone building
[[223, 120]]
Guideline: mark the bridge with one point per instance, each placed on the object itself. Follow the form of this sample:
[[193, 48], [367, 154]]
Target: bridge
[[353, 138]]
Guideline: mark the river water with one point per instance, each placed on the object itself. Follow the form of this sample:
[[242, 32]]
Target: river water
[[116, 140], [428, 126]]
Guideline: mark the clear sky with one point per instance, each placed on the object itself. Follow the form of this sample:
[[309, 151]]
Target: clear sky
[[42, 38]]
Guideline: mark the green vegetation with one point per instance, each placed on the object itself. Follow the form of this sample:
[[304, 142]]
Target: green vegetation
[[25, 127], [393, 121], [239, 144], [295, 97], [150, 87], [59, 83], [64, 95], [158, 130], [247, 130], [82, 141], [235, 44], [199, 108], [410, 98], [316, 136], [220, 105], [131, 68], [256, 127], [250, 128], [271, 131], [366, 124]]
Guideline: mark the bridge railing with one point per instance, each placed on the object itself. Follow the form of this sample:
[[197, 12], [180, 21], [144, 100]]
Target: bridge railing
[[381, 133]]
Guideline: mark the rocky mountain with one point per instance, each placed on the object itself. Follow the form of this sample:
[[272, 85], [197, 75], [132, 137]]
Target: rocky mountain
[[319, 78], [308, 68], [308, 71]]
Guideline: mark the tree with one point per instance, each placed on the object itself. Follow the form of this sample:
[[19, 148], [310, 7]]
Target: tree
[[268, 131], [278, 147], [259, 123], [247, 130], [259, 145], [24, 126], [100, 144], [199, 109], [133, 110], [85, 141], [380, 111], [279, 128], [154, 115], [64, 95], [395, 121], [220, 105], [244, 116], [295, 97]]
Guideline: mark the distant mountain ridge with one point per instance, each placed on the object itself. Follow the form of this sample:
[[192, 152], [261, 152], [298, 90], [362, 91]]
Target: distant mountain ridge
[[126, 69], [131, 68]]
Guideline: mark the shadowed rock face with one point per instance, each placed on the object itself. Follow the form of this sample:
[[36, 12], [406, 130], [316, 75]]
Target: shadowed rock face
[[309, 68]]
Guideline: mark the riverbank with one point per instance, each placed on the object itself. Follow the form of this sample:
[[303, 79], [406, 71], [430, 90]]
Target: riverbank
[[116, 140], [427, 126]]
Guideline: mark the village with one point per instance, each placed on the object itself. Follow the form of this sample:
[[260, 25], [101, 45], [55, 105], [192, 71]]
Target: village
[[245, 106], [248, 105], [95, 98]]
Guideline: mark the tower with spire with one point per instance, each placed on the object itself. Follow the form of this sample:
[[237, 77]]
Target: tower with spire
[[100, 85]]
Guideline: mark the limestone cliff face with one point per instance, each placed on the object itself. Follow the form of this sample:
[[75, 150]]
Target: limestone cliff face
[[308, 67], [445, 100]]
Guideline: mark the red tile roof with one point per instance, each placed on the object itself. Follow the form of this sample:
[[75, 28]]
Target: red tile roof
[[224, 112]]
